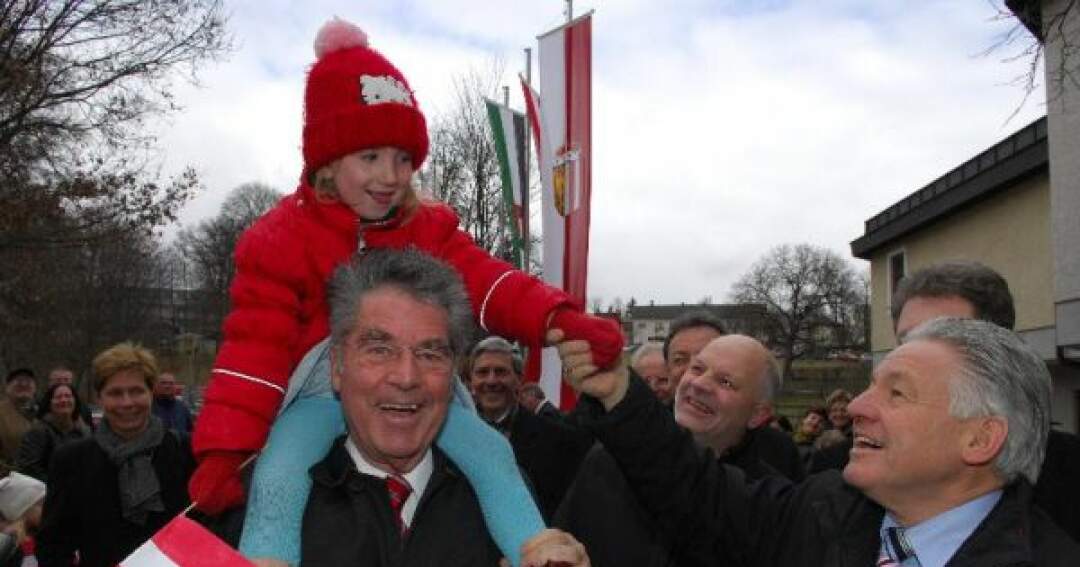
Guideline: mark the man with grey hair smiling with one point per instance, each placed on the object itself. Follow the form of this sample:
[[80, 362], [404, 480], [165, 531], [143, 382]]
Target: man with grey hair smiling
[[949, 438], [969, 289], [549, 451], [385, 494]]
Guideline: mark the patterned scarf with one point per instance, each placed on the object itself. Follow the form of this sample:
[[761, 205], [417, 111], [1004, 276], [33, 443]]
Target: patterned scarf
[[140, 491]]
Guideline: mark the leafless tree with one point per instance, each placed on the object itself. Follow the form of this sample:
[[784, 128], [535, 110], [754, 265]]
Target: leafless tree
[[208, 247], [463, 167], [811, 294], [1038, 26], [80, 71], [80, 193], [67, 303], [78, 81]]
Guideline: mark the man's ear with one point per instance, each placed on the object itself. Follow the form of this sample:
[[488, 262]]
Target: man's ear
[[335, 368], [983, 439], [763, 412]]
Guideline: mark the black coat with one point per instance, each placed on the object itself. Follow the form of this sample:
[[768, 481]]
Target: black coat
[[601, 511], [714, 517], [40, 443], [82, 507], [1057, 492], [348, 520], [550, 453], [1058, 489], [548, 410]]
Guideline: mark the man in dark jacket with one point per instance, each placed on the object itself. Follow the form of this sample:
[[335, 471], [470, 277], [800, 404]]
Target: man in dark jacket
[[724, 400], [970, 289], [385, 495], [549, 451], [173, 412], [948, 439], [532, 397]]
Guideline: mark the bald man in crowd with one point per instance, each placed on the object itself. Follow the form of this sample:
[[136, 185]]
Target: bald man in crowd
[[725, 400]]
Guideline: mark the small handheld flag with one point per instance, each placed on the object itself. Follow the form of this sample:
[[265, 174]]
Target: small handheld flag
[[184, 543]]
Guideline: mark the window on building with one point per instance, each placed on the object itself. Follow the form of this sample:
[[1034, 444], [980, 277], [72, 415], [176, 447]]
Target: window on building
[[897, 269]]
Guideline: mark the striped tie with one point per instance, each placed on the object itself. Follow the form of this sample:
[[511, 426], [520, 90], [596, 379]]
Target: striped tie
[[399, 490], [885, 560], [894, 544]]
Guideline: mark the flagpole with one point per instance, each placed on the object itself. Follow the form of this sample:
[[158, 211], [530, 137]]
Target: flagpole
[[569, 10], [526, 190], [565, 24]]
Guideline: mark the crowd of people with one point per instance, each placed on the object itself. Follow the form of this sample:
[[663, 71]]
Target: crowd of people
[[386, 435], [701, 428]]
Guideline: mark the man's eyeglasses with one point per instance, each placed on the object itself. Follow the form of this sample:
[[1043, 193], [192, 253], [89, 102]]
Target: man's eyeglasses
[[429, 357]]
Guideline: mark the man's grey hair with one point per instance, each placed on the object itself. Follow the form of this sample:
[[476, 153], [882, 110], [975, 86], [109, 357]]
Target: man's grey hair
[[692, 320], [410, 271], [980, 285], [1002, 377], [497, 345], [644, 350]]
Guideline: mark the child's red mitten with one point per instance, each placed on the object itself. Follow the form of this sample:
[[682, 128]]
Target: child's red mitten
[[215, 486], [604, 336]]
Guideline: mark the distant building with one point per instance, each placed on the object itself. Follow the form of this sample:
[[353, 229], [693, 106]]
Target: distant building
[[645, 323]]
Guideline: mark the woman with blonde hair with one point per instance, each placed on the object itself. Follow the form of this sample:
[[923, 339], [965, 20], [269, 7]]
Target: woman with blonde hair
[[111, 492]]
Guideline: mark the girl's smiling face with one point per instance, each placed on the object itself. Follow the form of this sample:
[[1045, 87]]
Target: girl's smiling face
[[373, 181]]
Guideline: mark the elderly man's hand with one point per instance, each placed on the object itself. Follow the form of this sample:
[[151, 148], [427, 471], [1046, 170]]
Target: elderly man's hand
[[608, 386], [552, 548]]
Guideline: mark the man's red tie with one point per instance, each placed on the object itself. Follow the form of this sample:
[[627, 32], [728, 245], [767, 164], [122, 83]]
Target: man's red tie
[[399, 491]]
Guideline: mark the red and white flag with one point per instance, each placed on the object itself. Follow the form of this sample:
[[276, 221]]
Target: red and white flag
[[184, 543], [561, 118]]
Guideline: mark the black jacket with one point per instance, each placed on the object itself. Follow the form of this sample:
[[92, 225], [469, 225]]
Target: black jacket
[[348, 520], [601, 511], [550, 453], [1057, 492], [714, 517], [40, 443], [82, 506]]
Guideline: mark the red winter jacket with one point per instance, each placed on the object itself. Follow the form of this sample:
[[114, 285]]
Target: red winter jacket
[[279, 308]]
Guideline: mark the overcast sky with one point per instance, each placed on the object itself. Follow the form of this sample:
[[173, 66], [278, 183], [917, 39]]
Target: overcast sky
[[720, 128]]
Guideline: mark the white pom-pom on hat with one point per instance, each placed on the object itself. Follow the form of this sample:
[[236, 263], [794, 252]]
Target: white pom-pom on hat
[[338, 34]]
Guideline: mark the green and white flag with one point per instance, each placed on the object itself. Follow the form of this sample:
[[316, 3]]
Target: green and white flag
[[508, 129]]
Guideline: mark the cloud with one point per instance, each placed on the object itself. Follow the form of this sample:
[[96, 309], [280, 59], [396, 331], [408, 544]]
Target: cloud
[[721, 129]]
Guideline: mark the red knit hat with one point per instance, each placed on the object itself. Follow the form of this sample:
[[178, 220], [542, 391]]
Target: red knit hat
[[355, 99]]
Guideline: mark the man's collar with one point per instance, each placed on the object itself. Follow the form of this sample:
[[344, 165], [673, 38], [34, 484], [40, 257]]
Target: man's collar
[[418, 477], [937, 539], [505, 421]]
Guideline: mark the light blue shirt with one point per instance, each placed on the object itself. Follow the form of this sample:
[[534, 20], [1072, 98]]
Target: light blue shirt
[[936, 540]]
